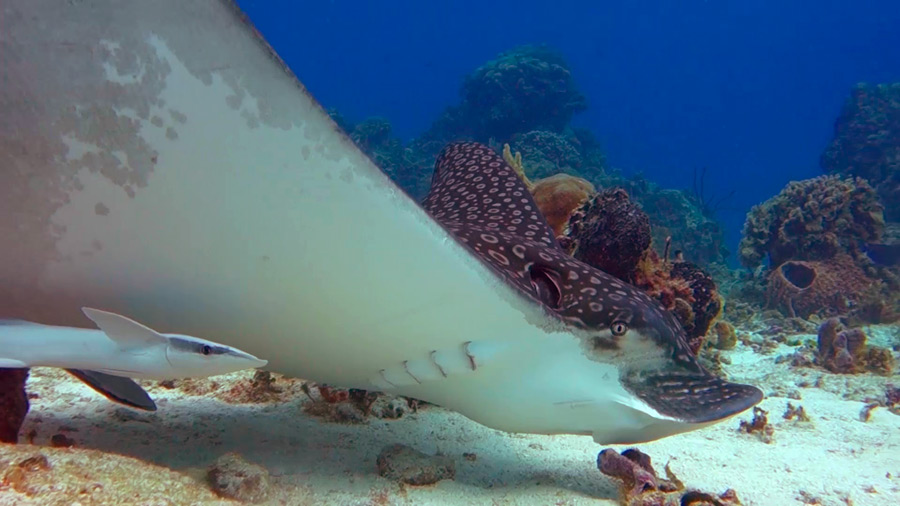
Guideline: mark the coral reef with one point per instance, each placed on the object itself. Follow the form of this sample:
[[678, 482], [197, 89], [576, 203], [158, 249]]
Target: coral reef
[[867, 142], [403, 464], [547, 153], [640, 485], [814, 219], [559, 197], [673, 214], [704, 300], [801, 288], [844, 351], [609, 232], [13, 403], [684, 289], [526, 88]]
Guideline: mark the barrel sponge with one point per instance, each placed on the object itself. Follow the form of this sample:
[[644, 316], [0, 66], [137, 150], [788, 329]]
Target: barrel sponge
[[800, 288]]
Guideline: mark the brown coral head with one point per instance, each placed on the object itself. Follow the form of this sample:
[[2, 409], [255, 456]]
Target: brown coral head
[[559, 196], [799, 274]]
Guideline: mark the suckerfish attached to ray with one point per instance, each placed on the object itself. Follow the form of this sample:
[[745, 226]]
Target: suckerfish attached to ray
[[105, 359], [214, 195]]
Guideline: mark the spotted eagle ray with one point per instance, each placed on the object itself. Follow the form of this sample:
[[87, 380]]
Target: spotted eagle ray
[[160, 160]]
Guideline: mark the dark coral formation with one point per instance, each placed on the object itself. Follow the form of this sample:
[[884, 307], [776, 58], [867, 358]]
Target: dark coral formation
[[609, 232], [683, 288], [844, 351], [704, 300], [814, 219], [867, 142], [526, 88], [558, 197], [13, 403], [640, 485], [800, 288]]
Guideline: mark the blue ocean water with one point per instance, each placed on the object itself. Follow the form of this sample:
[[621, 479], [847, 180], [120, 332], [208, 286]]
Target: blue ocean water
[[750, 90]]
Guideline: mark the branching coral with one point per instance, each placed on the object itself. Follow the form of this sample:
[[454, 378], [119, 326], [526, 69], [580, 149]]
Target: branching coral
[[814, 219]]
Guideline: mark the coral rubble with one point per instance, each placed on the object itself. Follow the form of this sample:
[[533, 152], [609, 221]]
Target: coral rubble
[[844, 350]]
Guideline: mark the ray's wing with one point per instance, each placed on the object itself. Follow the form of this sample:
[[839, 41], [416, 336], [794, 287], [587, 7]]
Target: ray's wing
[[160, 161]]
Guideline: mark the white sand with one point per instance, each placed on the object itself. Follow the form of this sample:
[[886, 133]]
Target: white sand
[[836, 458]]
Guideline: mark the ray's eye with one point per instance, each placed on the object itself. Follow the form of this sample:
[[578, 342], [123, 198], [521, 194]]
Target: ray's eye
[[206, 350], [619, 328]]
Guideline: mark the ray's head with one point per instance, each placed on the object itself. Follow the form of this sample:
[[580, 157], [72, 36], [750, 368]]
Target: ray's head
[[479, 199], [624, 326], [198, 358]]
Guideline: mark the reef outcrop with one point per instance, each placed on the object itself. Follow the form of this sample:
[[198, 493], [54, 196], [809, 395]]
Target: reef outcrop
[[526, 88], [866, 142], [814, 219]]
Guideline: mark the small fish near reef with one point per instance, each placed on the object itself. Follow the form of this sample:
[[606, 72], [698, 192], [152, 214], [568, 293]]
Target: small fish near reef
[[233, 206], [121, 349]]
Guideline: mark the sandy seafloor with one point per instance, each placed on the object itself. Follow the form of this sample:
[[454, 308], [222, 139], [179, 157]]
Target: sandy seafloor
[[835, 459]]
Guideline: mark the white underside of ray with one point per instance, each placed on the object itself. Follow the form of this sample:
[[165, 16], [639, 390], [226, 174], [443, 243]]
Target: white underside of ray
[[287, 243], [260, 226]]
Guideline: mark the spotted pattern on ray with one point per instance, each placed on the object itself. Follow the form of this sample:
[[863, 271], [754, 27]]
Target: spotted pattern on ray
[[481, 201]]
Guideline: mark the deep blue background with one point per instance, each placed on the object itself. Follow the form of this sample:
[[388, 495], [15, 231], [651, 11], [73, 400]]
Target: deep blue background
[[749, 89]]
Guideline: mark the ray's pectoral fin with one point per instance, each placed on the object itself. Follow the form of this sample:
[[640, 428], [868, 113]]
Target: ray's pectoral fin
[[124, 331], [116, 388], [693, 397]]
